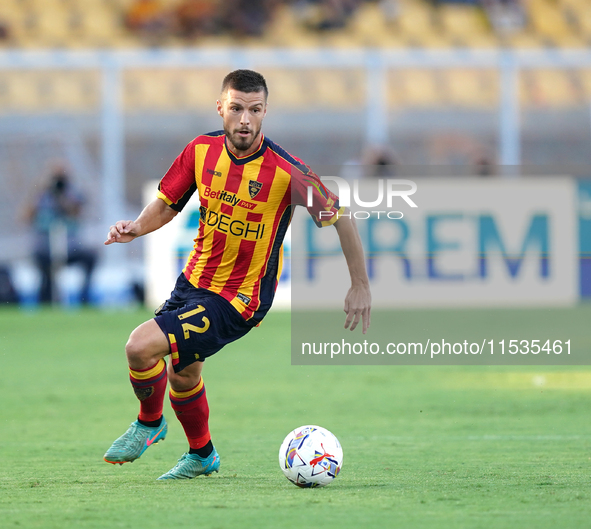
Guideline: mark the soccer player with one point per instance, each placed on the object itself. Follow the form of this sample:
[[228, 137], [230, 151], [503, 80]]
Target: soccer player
[[247, 188]]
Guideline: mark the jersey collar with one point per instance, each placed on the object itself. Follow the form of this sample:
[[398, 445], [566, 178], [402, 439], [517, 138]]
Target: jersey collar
[[241, 160]]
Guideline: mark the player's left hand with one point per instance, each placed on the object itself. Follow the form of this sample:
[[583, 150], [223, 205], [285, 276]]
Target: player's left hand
[[358, 306]]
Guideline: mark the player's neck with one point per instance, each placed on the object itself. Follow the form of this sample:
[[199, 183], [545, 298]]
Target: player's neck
[[256, 145]]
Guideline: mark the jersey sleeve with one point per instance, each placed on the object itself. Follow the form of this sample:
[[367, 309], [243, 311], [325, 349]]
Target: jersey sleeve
[[179, 183], [324, 204]]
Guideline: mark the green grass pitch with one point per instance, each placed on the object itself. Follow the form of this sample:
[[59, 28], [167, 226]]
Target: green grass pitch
[[424, 446]]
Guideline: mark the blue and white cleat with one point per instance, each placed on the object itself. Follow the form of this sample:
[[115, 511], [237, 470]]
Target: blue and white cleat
[[191, 465], [134, 442]]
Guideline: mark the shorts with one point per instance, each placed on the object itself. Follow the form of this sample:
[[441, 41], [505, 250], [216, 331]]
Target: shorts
[[198, 323]]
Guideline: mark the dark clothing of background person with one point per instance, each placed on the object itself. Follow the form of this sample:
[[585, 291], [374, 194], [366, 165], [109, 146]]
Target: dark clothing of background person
[[56, 219]]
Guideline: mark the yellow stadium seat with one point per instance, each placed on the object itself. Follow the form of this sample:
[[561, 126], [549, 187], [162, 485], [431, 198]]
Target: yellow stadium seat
[[23, 92], [291, 89], [466, 25], [339, 88], [418, 88], [415, 18], [584, 21], [101, 25], [369, 27], [549, 88], [548, 21], [195, 89], [146, 89], [523, 40], [53, 26], [77, 91], [285, 30], [416, 25], [471, 88]]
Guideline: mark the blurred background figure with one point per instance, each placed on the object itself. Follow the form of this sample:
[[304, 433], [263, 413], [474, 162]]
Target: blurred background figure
[[374, 161], [4, 30], [55, 217], [379, 161], [195, 18], [506, 16], [246, 18], [326, 14], [148, 18]]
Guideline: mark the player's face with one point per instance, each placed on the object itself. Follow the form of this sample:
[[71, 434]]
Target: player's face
[[243, 115]]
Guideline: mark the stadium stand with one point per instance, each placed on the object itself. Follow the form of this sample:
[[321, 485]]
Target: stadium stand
[[389, 23], [393, 24], [73, 24], [79, 91]]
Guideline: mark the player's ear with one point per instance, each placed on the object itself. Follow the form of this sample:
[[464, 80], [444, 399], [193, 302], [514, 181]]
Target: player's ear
[[219, 107]]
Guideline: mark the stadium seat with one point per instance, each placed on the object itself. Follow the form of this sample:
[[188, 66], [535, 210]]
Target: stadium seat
[[465, 25], [582, 16], [549, 88], [548, 22], [285, 30], [53, 26], [195, 89], [101, 26], [291, 89], [75, 91], [343, 89], [22, 92], [369, 27], [416, 24], [414, 88], [145, 90], [471, 88], [173, 89]]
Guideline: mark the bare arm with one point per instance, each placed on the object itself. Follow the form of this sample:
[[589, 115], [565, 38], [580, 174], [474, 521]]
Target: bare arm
[[155, 215], [358, 299]]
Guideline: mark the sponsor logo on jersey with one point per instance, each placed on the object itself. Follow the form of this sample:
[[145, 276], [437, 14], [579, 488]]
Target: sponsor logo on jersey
[[228, 198], [254, 187], [243, 298], [214, 173], [225, 224]]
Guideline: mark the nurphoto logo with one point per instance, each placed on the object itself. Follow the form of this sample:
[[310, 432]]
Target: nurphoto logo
[[385, 190]]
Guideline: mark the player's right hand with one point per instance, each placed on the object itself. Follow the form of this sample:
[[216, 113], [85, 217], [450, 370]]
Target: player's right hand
[[122, 231]]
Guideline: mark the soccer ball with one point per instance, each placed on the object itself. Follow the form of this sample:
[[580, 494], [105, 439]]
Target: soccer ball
[[311, 456]]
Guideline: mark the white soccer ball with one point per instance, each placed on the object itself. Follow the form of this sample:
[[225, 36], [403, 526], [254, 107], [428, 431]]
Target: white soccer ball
[[311, 456]]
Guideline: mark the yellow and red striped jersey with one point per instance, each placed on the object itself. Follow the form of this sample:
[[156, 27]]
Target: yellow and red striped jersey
[[246, 206]]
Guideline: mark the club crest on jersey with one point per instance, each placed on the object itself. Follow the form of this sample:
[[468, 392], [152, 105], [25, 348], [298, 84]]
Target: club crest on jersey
[[254, 187]]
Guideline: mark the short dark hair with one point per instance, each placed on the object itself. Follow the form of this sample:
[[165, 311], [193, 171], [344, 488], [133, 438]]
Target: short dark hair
[[245, 81]]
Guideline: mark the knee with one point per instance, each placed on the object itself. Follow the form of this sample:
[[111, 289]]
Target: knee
[[137, 352], [146, 345]]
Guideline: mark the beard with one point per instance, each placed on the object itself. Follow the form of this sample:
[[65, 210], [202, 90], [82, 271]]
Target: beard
[[238, 142]]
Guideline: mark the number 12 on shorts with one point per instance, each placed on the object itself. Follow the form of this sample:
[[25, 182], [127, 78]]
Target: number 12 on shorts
[[187, 327]]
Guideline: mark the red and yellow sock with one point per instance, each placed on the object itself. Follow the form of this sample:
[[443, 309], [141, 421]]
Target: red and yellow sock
[[192, 411], [149, 386]]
